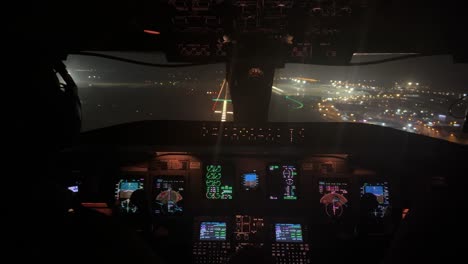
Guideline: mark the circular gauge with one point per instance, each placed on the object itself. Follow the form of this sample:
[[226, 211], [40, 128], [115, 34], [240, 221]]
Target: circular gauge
[[334, 209], [333, 204]]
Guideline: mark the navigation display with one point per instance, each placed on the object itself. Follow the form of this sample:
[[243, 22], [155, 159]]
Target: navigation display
[[334, 197], [213, 231], [380, 190], [283, 182], [288, 233], [169, 195], [219, 182], [124, 190], [250, 181]]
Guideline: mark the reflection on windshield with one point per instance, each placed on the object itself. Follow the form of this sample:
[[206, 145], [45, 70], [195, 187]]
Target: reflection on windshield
[[411, 95]]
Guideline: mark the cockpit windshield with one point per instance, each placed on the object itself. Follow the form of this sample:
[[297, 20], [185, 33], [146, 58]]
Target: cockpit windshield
[[420, 95]]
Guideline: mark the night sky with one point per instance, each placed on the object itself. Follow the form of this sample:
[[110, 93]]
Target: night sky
[[439, 72]]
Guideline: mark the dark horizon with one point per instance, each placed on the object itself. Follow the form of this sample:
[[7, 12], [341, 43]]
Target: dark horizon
[[437, 71]]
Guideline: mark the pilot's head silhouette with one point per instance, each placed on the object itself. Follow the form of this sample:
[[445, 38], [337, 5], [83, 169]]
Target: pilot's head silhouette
[[369, 203], [139, 199]]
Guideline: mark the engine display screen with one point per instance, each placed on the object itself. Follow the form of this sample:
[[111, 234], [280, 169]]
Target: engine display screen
[[250, 181], [124, 190], [288, 233], [169, 195], [381, 193], [213, 231], [219, 182], [283, 182]]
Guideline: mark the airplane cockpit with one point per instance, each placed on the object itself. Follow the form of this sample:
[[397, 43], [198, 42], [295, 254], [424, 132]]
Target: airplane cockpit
[[299, 201], [223, 132]]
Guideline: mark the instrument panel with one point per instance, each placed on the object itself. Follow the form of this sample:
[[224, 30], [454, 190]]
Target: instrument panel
[[284, 205], [186, 184]]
